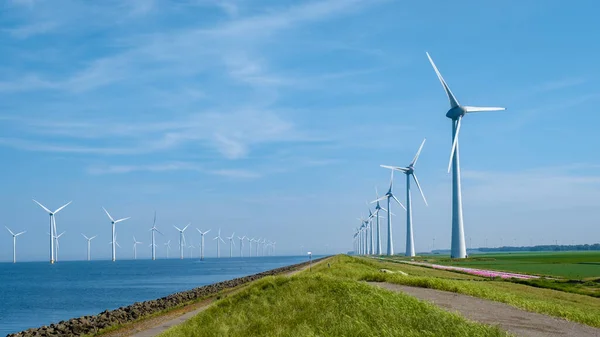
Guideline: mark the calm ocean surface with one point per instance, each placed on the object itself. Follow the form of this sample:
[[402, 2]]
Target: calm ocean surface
[[33, 294]]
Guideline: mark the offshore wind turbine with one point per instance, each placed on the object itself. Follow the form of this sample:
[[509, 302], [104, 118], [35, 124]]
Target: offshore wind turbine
[[168, 246], [15, 243], [410, 171], [181, 240], [456, 114], [113, 222], [249, 246], [202, 242], [241, 244], [88, 244], [135, 243], [57, 245], [52, 225], [218, 238], [231, 244], [390, 195], [257, 246], [153, 244]]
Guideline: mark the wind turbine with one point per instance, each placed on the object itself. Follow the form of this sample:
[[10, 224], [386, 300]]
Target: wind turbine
[[390, 195], [168, 246], [88, 244], [218, 238], [57, 245], [181, 239], [153, 244], [52, 225], [456, 114], [264, 241], [257, 246], [113, 222], [202, 242], [15, 243], [273, 248], [378, 230], [231, 244], [249, 246], [135, 243], [241, 244], [410, 171]]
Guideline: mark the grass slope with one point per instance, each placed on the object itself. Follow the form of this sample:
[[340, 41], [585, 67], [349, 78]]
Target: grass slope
[[314, 304], [574, 307]]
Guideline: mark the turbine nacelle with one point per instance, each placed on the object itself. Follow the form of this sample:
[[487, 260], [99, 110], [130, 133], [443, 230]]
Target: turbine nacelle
[[456, 112]]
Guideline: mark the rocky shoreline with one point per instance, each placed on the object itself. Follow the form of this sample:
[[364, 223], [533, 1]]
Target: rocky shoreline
[[89, 325]]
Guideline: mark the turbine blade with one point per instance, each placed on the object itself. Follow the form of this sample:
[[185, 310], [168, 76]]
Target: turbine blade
[[177, 228], [414, 161], [159, 232], [221, 240], [453, 101], [23, 232], [470, 109], [419, 187], [397, 168], [378, 199], [117, 221], [154, 222], [63, 206], [398, 201], [11, 232], [110, 217], [184, 228], [454, 142], [42, 206], [93, 237], [84, 236], [118, 245]]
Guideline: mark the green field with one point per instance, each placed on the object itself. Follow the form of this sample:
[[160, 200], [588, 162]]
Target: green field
[[571, 265]]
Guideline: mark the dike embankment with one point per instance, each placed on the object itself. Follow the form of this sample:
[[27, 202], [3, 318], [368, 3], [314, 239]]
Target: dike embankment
[[90, 325]]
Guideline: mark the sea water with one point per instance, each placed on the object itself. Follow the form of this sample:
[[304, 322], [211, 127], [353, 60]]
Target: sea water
[[33, 294]]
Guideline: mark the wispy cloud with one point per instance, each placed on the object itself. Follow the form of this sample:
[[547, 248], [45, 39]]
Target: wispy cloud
[[172, 167], [559, 84], [37, 28]]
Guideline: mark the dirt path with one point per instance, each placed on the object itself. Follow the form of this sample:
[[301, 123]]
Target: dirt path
[[511, 319]]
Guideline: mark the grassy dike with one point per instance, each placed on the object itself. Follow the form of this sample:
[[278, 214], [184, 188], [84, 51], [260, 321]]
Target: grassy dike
[[328, 302]]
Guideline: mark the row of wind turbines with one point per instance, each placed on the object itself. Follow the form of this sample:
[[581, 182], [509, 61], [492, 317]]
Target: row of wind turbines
[[262, 247], [367, 238]]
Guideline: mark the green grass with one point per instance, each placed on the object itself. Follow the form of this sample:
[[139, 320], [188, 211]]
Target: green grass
[[315, 304], [574, 307], [571, 265]]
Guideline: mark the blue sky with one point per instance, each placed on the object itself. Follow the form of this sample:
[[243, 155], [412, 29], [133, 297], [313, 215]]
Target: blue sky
[[271, 118]]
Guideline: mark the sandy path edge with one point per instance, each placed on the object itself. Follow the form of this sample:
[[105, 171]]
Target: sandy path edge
[[511, 319]]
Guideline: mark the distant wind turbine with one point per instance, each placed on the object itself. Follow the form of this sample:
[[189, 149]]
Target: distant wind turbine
[[168, 246], [202, 242], [191, 247], [410, 171], [57, 245], [135, 243], [390, 195], [15, 243], [218, 238], [153, 244], [114, 243], [231, 244], [378, 230], [88, 244], [456, 114], [241, 245], [181, 239], [250, 246], [52, 225], [113, 222]]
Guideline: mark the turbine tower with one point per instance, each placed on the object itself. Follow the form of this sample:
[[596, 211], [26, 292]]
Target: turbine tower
[[231, 244], [181, 240], [218, 238], [456, 114], [168, 246], [135, 243], [202, 242], [52, 225], [113, 222], [249, 246], [153, 244], [410, 171], [88, 244], [390, 195], [57, 245], [15, 243], [241, 245], [378, 230]]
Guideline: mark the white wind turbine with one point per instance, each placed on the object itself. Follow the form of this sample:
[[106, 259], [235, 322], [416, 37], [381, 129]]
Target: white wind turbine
[[153, 244], [88, 244], [390, 195], [218, 238], [181, 239], [257, 246], [114, 243], [191, 247], [410, 171], [264, 241], [52, 225], [378, 229], [135, 243], [202, 242], [168, 246], [231, 244], [241, 245], [57, 245], [456, 114], [15, 243], [250, 246]]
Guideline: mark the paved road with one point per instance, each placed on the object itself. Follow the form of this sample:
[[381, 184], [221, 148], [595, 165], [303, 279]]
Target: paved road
[[511, 319]]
